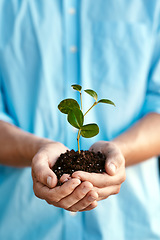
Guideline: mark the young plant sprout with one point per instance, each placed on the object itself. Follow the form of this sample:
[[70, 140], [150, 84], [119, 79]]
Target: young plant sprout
[[75, 115]]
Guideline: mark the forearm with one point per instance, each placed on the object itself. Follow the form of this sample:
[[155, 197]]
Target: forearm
[[142, 141], [18, 147]]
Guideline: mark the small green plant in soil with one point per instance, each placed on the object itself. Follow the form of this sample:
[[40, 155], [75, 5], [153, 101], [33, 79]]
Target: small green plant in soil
[[75, 115], [82, 160]]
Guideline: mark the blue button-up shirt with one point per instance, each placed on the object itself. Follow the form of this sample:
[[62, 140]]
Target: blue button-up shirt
[[112, 47]]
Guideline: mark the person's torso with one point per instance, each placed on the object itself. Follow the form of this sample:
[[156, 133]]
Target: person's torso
[[45, 46]]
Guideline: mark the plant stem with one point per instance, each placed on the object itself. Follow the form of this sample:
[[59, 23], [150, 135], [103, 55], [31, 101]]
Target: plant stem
[[81, 101], [78, 136], [94, 104]]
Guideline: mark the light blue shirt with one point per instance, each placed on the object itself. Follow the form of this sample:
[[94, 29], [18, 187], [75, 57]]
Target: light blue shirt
[[112, 47]]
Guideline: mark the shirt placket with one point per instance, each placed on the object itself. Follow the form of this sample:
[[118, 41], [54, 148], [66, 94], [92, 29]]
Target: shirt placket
[[72, 225], [71, 40], [71, 63]]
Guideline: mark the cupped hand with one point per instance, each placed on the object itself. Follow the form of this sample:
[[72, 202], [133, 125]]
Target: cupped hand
[[108, 183], [72, 195]]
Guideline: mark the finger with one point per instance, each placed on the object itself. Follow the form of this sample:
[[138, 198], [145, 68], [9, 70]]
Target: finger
[[113, 163], [42, 171], [101, 180], [65, 177], [53, 196], [90, 207], [79, 193], [114, 157], [97, 179], [104, 193], [85, 202], [114, 160], [97, 147]]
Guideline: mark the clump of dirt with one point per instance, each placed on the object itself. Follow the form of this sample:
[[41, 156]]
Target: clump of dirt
[[72, 161]]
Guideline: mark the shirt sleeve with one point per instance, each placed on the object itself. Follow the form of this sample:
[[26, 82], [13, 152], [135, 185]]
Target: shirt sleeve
[[152, 100], [4, 115]]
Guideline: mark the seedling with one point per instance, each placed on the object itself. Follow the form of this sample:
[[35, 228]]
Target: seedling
[[75, 115]]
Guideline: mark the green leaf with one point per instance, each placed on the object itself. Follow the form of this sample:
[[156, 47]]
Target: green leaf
[[67, 105], [92, 93], [106, 101], [76, 87], [89, 130], [75, 118]]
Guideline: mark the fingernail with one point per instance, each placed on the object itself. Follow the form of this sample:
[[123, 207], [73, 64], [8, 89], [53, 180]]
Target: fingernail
[[49, 181], [91, 199], [65, 180], [112, 167]]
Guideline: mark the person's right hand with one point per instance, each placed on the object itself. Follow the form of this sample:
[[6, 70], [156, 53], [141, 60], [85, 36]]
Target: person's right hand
[[72, 195]]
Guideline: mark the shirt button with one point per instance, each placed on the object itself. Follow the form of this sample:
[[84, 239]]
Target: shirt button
[[73, 213], [72, 11], [73, 49]]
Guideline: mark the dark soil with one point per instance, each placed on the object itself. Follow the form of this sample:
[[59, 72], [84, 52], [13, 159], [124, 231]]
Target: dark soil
[[72, 161]]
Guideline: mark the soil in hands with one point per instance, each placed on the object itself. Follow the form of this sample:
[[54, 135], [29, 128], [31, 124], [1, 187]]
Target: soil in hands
[[72, 161]]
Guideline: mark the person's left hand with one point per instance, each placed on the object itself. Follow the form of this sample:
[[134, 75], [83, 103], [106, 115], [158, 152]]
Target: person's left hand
[[108, 183]]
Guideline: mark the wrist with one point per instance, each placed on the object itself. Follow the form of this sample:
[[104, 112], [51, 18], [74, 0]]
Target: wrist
[[31, 146]]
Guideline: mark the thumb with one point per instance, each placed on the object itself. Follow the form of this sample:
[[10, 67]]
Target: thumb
[[110, 167], [113, 163], [42, 172]]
